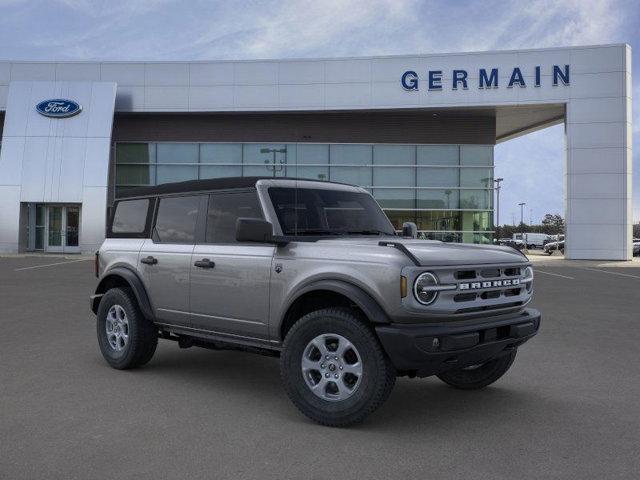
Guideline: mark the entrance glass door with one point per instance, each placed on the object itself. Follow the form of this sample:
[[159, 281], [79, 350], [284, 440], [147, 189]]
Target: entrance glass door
[[55, 229], [72, 229], [40, 226]]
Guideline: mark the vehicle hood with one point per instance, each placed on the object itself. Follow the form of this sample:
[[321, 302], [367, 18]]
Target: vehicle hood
[[436, 253]]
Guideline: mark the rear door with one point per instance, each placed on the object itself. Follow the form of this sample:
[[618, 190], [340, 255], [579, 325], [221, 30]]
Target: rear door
[[230, 280], [165, 259]]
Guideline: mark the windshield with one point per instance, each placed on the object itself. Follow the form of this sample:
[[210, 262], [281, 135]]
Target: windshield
[[310, 211]]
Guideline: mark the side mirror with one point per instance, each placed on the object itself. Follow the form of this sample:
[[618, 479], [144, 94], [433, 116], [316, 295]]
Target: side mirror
[[254, 230], [409, 229]]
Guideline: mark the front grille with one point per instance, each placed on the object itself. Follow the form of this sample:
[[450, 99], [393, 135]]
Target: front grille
[[482, 288], [484, 308], [490, 273], [474, 289], [491, 294], [512, 292], [465, 297], [465, 275]]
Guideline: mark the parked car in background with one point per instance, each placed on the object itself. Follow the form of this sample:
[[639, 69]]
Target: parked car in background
[[509, 242], [532, 240], [551, 247], [636, 247]]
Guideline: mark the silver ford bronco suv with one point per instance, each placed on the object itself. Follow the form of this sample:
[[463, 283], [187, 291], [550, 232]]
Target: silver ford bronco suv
[[314, 273]]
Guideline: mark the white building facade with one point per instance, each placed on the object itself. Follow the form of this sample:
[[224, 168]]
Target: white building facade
[[417, 131]]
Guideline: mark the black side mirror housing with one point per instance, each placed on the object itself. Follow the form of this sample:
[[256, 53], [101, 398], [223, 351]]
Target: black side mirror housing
[[410, 230], [254, 230]]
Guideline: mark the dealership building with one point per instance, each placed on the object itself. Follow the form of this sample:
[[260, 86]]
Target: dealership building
[[417, 131]]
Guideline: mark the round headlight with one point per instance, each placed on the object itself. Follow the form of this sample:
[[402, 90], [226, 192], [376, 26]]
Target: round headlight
[[528, 278], [423, 288]]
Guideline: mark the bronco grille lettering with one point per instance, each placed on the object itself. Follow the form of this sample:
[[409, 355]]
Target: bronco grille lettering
[[489, 284]]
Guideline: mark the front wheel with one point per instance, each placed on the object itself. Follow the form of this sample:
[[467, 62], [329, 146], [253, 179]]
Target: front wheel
[[334, 369], [476, 377]]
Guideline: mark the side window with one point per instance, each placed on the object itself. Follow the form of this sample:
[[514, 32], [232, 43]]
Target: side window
[[176, 219], [225, 209], [130, 216]]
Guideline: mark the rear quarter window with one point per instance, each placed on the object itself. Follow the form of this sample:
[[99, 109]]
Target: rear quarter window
[[130, 217]]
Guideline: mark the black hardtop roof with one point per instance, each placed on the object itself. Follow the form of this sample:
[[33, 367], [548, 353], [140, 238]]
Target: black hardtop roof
[[203, 185]]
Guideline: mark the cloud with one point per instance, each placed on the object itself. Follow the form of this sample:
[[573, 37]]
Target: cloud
[[249, 29]]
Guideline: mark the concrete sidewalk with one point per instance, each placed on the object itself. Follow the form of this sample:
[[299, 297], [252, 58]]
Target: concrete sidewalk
[[558, 260]]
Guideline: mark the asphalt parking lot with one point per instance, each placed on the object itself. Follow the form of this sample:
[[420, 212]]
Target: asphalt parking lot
[[569, 407]]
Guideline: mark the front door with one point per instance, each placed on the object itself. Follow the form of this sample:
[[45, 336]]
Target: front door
[[230, 280]]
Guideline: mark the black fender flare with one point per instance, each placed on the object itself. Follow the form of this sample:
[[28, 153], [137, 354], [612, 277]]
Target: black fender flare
[[133, 281], [365, 302]]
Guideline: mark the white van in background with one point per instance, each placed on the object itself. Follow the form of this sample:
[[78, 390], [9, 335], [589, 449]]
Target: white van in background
[[532, 240]]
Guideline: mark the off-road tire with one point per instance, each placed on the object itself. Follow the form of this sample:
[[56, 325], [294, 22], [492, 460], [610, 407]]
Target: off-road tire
[[143, 335], [378, 376], [479, 377]]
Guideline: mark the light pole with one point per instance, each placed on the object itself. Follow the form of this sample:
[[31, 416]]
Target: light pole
[[497, 181], [522, 212], [274, 167]]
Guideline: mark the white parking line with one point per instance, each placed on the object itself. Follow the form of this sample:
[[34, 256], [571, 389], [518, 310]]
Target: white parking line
[[554, 274], [611, 273], [52, 264]]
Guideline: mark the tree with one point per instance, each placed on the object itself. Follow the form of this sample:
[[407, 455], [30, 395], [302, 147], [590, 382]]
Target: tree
[[552, 224], [553, 220]]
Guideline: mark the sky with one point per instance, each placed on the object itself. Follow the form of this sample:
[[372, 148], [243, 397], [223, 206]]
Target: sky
[[532, 165]]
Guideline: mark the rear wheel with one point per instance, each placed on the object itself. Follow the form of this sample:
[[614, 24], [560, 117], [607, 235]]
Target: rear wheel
[[334, 369], [126, 338], [479, 376]]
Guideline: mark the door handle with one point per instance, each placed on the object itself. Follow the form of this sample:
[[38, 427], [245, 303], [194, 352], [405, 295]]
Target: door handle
[[204, 263], [149, 260]]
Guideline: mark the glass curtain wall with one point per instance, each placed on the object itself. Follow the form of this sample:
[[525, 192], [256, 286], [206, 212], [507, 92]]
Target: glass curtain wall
[[447, 190]]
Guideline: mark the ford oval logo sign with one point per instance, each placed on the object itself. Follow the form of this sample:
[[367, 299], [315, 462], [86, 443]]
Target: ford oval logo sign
[[58, 108]]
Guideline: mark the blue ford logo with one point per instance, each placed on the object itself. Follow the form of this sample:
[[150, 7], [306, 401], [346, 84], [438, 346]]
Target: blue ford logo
[[58, 108]]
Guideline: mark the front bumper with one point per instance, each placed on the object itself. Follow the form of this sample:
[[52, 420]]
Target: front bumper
[[431, 349]]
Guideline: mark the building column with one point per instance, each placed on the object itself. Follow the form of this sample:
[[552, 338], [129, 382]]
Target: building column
[[598, 204], [9, 217]]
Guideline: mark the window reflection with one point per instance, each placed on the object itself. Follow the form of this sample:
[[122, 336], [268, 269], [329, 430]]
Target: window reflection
[[447, 190]]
